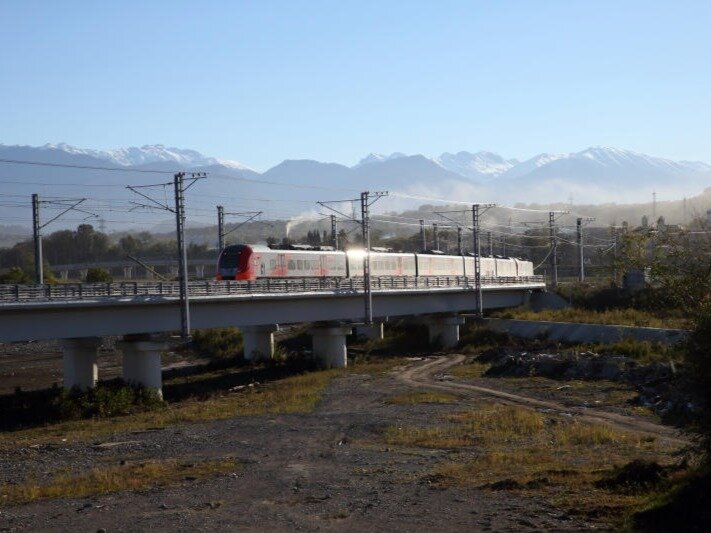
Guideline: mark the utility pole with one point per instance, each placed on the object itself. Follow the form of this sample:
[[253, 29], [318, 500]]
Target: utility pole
[[554, 248], [491, 243], [334, 232], [365, 222], [182, 255], [220, 228], [435, 236], [477, 261], [614, 254], [37, 227], [460, 250], [423, 236], [581, 253], [179, 189], [39, 272]]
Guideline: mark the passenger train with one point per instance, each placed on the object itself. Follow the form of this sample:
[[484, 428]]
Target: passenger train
[[248, 262]]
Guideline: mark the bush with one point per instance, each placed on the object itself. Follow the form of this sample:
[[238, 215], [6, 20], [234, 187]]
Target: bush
[[15, 276], [218, 343], [113, 398], [98, 275]]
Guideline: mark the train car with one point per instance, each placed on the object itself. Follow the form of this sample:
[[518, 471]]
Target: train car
[[248, 262], [439, 265], [245, 262], [382, 264], [523, 268]]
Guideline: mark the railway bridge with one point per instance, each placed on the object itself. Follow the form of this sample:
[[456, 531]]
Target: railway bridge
[[144, 314]]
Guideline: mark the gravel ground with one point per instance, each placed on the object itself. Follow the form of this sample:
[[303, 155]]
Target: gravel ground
[[324, 470]]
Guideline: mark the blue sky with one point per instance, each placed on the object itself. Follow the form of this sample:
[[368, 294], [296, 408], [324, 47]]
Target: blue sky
[[262, 81]]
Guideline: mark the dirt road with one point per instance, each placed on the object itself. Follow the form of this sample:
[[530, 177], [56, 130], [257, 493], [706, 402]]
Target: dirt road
[[328, 469], [431, 375]]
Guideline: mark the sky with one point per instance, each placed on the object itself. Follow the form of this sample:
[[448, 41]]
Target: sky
[[263, 81]]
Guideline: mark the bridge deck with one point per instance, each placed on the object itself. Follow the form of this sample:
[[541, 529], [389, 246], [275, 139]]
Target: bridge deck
[[67, 311]]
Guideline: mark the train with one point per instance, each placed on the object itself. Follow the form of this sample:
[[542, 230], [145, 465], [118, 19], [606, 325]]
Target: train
[[250, 262]]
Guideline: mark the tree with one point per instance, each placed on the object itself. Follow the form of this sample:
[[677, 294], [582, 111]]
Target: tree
[[98, 275]]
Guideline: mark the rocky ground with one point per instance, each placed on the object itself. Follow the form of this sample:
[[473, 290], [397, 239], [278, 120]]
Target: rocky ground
[[331, 468]]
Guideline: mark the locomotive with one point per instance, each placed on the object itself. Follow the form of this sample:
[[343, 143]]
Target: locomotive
[[249, 262]]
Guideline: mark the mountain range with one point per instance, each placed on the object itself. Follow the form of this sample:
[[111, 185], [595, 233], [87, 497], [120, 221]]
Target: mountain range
[[594, 175]]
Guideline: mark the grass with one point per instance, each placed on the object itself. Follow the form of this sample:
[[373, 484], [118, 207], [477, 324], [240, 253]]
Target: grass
[[105, 480], [550, 456], [470, 370], [623, 317], [212, 394], [412, 398], [295, 394]]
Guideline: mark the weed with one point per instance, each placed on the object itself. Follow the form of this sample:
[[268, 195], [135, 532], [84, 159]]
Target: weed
[[106, 480], [412, 398]]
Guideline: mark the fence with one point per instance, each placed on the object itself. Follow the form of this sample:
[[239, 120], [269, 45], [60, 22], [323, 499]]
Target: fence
[[67, 292]]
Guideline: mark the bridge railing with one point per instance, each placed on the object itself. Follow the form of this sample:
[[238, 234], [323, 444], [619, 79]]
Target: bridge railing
[[64, 292]]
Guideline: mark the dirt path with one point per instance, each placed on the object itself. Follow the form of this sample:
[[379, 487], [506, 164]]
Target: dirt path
[[325, 470], [426, 375]]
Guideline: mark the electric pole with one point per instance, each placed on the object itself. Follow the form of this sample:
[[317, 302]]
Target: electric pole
[[365, 203], [334, 232], [581, 253], [423, 236], [435, 236], [37, 226], [553, 249], [182, 255], [220, 228], [477, 261], [39, 273], [460, 250], [179, 189]]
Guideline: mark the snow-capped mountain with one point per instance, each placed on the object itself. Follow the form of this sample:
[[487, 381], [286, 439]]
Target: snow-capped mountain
[[478, 165], [151, 153], [596, 174], [379, 158]]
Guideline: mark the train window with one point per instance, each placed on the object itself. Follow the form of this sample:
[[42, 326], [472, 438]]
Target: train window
[[292, 264], [272, 263], [299, 264]]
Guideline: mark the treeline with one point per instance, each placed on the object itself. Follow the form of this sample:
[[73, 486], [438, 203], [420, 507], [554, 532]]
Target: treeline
[[86, 245]]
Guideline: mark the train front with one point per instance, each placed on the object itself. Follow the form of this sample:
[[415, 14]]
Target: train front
[[235, 263]]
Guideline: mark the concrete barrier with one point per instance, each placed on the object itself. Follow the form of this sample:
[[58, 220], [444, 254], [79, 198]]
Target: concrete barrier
[[584, 333]]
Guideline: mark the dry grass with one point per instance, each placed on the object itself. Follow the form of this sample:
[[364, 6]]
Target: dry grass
[[548, 455], [623, 317], [412, 398], [295, 394], [115, 479], [429, 437], [471, 370]]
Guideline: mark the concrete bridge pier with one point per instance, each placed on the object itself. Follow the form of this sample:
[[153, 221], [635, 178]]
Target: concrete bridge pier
[[372, 332], [64, 274], [128, 272], [258, 342], [329, 345], [444, 330], [200, 271], [142, 361], [80, 362]]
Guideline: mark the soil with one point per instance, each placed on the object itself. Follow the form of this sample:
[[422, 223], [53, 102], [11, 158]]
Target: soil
[[328, 469]]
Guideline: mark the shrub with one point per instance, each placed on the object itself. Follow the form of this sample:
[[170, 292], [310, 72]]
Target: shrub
[[218, 343], [15, 276], [98, 275]]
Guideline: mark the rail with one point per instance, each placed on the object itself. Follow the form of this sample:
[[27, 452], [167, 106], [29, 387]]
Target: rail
[[64, 292]]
